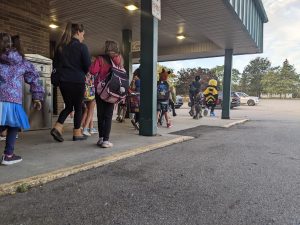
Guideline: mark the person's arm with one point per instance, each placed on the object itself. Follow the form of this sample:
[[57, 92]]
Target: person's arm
[[206, 92], [85, 58], [31, 77], [56, 59], [216, 94], [96, 66]]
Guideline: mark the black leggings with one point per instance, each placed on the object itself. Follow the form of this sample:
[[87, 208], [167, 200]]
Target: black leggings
[[211, 106], [104, 114], [73, 94], [172, 104]]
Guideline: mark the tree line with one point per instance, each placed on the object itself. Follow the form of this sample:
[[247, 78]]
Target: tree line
[[257, 78]]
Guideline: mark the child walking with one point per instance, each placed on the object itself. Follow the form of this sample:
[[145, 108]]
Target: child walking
[[13, 70], [211, 97]]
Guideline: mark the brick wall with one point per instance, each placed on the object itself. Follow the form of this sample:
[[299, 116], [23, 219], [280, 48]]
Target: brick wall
[[29, 19]]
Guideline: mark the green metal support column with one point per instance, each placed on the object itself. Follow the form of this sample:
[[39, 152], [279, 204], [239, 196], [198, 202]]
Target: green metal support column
[[227, 84], [126, 48], [149, 36]]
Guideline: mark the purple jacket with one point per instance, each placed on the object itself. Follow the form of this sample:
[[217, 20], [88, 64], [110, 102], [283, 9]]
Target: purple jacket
[[13, 70]]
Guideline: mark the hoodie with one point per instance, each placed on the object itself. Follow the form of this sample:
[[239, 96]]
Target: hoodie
[[13, 70], [101, 67]]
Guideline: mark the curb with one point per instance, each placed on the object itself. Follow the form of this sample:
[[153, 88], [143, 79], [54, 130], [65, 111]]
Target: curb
[[10, 188], [235, 123]]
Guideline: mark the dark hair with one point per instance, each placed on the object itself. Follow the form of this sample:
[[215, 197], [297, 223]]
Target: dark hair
[[197, 78], [5, 42], [70, 31], [16, 43], [137, 73]]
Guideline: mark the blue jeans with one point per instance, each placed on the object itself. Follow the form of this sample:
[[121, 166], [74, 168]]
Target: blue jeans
[[10, 138]]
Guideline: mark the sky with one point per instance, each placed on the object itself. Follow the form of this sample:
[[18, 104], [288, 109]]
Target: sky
[[281, 40]]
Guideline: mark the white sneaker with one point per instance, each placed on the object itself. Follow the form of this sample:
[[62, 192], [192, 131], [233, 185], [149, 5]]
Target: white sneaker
[[100, 142], [86, 132], [93, 131], [106, 144]]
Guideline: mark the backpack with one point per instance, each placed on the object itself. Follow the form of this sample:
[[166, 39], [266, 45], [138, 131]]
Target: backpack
[[163, 91], [114, 88], [195, 87], [89, 93]]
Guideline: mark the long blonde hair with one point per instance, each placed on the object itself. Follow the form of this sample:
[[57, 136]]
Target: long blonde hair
[[70, 31]]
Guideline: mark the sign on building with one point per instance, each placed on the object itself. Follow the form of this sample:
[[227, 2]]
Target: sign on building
[[136, 46], [156, 9]]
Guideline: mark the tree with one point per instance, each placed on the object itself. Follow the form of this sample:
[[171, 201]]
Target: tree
[[252, 76], [218, 71], [288, 81], [270, 81], [281, 80], [186, 76]]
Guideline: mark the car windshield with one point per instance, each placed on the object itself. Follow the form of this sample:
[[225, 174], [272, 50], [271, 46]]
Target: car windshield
[[242, 94]]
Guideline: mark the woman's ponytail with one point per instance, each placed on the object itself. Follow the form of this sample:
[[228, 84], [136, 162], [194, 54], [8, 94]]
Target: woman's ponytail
[[66, 37], [70, 31]]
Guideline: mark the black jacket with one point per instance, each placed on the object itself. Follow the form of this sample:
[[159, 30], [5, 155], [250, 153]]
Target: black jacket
[[73, 62]]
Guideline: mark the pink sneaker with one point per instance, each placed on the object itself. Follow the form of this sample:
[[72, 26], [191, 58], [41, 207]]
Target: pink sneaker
[[169, 125]]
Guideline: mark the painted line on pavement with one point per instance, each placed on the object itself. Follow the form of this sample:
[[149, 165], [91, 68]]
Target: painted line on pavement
[[10, 188], [235, 123]]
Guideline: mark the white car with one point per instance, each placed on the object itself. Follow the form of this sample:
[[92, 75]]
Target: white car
[[246, 99]]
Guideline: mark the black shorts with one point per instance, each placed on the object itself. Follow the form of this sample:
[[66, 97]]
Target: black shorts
[[162, 106]]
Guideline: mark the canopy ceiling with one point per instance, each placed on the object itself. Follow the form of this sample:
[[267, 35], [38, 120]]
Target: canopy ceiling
[[210, 26]]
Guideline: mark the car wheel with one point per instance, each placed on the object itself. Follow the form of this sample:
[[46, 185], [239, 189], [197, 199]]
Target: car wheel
[[250, 102]]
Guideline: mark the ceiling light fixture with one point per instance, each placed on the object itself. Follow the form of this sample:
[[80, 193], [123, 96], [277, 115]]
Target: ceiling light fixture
[[180, 37], [131, 7], [53, 26]]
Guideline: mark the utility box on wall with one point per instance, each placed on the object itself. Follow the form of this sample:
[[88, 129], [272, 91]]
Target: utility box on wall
[[39, 119]]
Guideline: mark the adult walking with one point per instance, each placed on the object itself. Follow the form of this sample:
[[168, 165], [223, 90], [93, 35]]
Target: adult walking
[[70, 66], [101, 68]]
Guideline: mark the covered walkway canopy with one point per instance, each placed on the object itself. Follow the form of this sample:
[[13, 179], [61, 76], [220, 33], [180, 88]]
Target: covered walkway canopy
[[210, 27]]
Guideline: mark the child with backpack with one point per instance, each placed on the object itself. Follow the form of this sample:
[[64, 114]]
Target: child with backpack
[[194, 88], [14, 68], [111, 82], [211, 97], [163, 96], [134, 98]]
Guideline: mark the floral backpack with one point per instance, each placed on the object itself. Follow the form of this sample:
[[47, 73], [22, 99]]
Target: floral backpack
[[89, 93]]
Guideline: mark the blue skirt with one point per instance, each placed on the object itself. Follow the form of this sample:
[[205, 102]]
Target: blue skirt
[[13, 115]]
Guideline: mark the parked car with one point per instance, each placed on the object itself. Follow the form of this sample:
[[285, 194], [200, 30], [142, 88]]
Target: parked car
[[234, 100], [246, 99], [179, 102]]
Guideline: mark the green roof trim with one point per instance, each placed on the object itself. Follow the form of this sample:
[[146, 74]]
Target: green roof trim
[[261, 10]]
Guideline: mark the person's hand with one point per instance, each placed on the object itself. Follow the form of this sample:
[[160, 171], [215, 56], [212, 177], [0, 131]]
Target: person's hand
[[37, 104]]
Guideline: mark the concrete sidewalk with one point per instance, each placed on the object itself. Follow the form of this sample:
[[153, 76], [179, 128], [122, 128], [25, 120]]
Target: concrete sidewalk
[[45, 160]]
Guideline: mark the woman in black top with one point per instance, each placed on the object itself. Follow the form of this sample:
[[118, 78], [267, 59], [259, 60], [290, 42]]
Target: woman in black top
[[71, 63]]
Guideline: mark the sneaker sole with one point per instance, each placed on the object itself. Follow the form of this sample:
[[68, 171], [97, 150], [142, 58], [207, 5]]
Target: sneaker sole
[[80, 138], [56, 136], [7, 163], [106, 146]]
